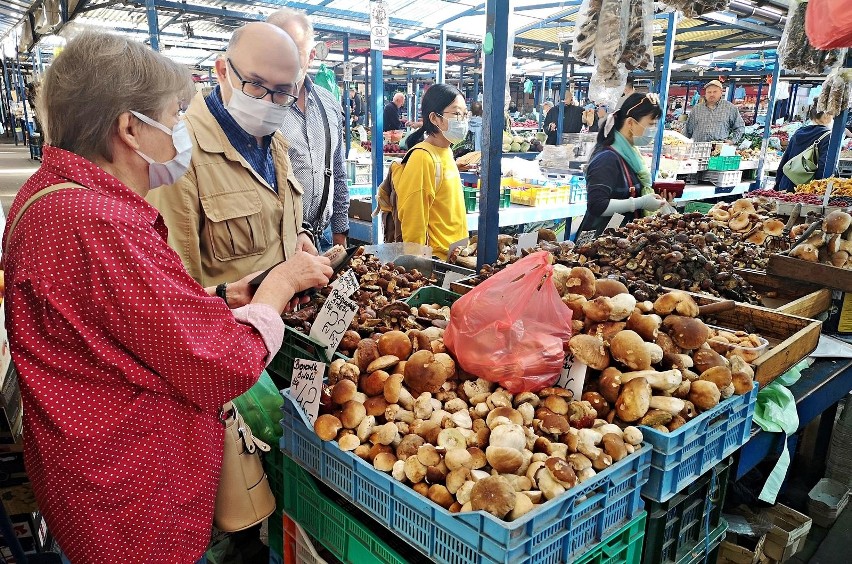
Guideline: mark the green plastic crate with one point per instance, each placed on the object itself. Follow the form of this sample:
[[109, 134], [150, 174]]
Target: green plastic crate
[[296, 345], [679, 525], [724, 163], [622, 547], [706, 551], [471, 199], [341, 529], [701, 207], [432, 295], [276, 534]]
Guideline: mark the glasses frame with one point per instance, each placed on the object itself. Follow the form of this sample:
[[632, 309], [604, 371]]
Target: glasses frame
[[290, 98], [466, 116]]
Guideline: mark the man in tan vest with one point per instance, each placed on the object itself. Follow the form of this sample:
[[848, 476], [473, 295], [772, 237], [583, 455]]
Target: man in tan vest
[[238, 209]]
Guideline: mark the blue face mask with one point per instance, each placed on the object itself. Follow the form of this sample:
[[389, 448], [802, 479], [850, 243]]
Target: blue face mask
[[647, 138]]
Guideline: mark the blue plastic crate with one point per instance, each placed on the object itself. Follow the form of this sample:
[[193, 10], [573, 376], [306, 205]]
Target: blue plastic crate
[[557, 531], [681, 456]]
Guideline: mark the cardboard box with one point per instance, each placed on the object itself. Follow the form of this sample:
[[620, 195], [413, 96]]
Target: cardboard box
[[788, 533], [732, 551], [361, 208]]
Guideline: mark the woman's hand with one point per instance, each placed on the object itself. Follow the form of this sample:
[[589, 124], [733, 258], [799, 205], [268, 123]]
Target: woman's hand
[[650, 202], [299, 273]]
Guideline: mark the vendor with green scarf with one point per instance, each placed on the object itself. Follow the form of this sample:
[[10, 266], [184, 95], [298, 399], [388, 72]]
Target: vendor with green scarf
[[617, 179]]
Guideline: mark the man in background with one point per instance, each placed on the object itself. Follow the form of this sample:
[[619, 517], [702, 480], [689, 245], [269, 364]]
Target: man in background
[[391, 115], [572, 119], [716, 119], [312, 126], [356, 106]]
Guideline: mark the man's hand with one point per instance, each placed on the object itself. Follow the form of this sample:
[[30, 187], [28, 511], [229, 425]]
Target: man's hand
[[339, 239], [304, 243]]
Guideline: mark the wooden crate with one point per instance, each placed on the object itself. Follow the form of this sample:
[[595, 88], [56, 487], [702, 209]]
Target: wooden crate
[[815, 273], [791, 338], [804, 299], [462, 286]]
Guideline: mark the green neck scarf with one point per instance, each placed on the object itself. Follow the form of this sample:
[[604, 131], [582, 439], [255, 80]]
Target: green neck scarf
[[634, 159]]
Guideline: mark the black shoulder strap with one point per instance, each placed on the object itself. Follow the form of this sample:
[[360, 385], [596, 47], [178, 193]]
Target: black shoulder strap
[[326, 172]]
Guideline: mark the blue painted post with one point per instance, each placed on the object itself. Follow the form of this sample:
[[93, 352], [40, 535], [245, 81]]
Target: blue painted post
[[496, 33], [686, 98], [153, 25], [23, 93], [665, 79], [732, 89], [370, 113], [476, 76], [757, 101], [836, 142], [409, 98], [442, 58], [348, 124], [541, 100], [378, 141], [560, 117], [770, 111]]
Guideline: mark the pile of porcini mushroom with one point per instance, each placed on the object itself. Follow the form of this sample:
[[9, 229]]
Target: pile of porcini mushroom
[[403, 405], [652, 363], [827, 245]]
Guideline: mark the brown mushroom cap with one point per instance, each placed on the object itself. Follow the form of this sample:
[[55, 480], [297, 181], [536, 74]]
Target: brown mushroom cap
[[561, 471], [384, 461], [704, 395], [343, 392], [836, 222], [589, 350], [634, 400], [512, 415], [327, 426], [705, 359], [610, 384], [609, 287], [408, 446], [376, 405], [743, 205], [395, 343], [424, 374], [353, 413], [773, 227], [367, 352], [575, 303], [554, 424], [648, 326], [493, 494], [806, 252], [505, 460], [719, 375], [382, 363], [758, 237], [581, 281], [440, 495], [598, 309], [687, 332], [374, 384], [598, 403], [628, 348]]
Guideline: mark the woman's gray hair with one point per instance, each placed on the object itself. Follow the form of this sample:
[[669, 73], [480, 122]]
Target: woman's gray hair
[[96, 78]]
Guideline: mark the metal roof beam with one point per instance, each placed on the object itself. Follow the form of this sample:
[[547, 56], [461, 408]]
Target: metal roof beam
[[332, 12], [553, 18], [763, 29], [478, 9], [549, 5]]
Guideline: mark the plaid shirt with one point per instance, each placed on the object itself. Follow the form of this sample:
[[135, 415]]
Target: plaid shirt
[[305, 132], [259, 157], [715, 124]]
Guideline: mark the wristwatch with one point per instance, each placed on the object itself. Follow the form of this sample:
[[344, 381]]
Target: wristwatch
[[308, 230], [222, 292]]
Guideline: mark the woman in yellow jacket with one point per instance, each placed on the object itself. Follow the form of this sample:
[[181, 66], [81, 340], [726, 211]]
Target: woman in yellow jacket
[[430, 199]]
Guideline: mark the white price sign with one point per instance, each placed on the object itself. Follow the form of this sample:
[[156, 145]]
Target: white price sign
[[615, 222], [573, 376], [451, 277], [306, 387], [347, 71], [333, 320], [526, 241], [346, 283], [379, 26]]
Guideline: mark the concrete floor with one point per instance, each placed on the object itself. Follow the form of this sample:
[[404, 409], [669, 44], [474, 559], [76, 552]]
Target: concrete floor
[[15, 168]]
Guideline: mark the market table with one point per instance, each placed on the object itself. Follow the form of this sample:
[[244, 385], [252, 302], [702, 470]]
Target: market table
[[817, 392]]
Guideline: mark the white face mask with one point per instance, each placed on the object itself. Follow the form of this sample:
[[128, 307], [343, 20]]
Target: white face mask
[[163, 174], [257, 117], [456, 130]]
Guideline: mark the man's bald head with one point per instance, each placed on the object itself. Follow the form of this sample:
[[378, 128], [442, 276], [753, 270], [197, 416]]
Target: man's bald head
[[297, 25], [261, 53], [399, 99]]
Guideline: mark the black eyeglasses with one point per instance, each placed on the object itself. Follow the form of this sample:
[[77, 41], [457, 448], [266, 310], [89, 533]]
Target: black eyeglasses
[[458, 116], [259, 91]]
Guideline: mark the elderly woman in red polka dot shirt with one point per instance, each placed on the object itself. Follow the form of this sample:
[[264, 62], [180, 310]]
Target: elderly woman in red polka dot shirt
[[124, 359]]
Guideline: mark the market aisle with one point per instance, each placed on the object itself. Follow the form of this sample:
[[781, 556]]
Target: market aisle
[[15, 168]]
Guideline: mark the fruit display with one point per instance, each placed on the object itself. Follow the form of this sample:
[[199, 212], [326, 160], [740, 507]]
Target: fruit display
[[520, 143], [675, 139], [749, 154], [839, 186], [827, 244], [526, 124], [802, 198]]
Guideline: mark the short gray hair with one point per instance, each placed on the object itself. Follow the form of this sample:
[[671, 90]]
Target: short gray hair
[[280, 18], [96, 78]]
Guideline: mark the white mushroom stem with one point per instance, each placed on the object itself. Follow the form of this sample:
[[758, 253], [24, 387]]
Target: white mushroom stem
[[671, 405], [665, 381]]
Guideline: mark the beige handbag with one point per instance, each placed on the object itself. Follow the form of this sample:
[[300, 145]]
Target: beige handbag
[[244, 497]]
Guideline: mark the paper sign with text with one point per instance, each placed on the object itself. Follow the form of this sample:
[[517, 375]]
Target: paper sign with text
[[615, 222], [347, 71], [346, 283], [451, 277], [527, 241], [573, 376], [306, 387], [333, 320], [379, 26], [585, 238], [829, 189]]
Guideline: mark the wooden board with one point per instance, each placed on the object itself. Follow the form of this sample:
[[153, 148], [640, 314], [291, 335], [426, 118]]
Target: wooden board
[[791, 338], [776, 286], [815, 273], [808, 306], [462, 286]]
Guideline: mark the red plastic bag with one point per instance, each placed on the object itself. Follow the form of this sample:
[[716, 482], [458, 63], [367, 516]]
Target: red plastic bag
[[828, 23], [512, 328]]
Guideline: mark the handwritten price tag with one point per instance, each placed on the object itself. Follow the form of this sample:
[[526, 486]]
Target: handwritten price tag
[[615, 222], [333, 320], [828, 192], [527, 241], [306, 387], [347, 283], [573, 376]]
